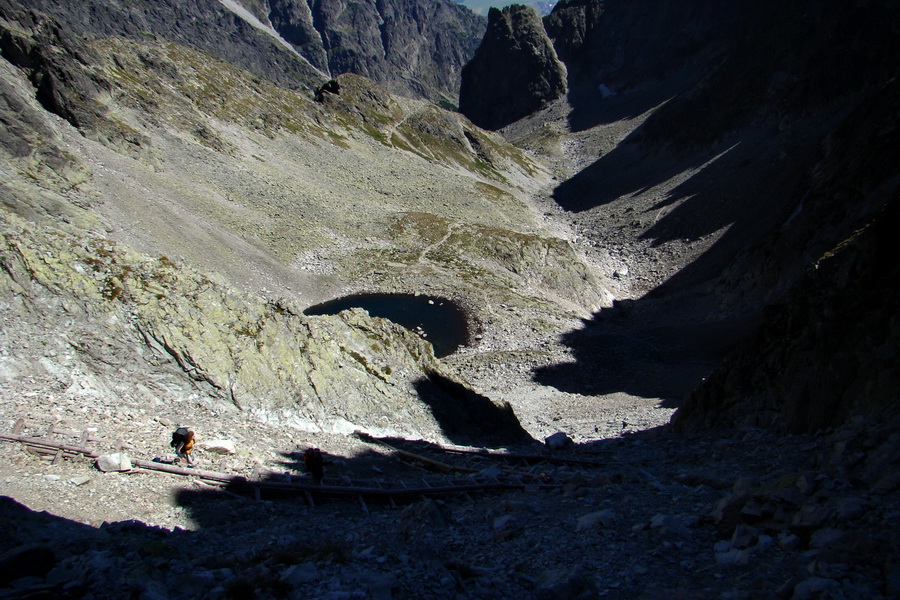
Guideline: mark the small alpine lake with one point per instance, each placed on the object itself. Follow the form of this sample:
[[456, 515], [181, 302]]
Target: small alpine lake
[[439, 320]]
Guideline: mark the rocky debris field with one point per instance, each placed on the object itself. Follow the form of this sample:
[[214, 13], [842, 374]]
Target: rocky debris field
[[628, 509], [640, 514]]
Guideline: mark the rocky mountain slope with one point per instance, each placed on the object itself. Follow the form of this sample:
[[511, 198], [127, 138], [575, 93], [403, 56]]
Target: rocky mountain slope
[[171, 203], [200, 164], [781, 138]]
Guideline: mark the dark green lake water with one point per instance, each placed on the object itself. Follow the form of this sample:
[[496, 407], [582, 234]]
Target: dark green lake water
[[443, 321]]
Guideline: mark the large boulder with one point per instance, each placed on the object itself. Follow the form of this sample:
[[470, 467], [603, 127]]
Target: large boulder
[[514, 72]]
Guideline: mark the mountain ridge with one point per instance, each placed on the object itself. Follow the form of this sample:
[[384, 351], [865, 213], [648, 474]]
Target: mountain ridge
[[363, 37]]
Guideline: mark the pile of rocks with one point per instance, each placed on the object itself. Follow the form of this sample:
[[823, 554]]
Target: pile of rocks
[[740, 514]]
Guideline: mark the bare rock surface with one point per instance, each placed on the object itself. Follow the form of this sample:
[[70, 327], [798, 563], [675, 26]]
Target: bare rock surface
[[515, 71], [156, 261]]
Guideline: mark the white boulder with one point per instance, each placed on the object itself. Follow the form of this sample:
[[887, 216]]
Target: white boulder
[[114, 462], [219, 446]]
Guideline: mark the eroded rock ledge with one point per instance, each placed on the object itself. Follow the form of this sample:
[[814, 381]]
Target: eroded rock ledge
[[128, 315]]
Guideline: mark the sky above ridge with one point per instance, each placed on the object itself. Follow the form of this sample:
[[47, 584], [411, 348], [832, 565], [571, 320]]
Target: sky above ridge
[[481, 7]]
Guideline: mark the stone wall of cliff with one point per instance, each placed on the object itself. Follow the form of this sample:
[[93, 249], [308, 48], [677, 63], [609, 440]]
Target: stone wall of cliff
[[198, 24], [828, 352], [790, 111], [515, 71], [410, 47]]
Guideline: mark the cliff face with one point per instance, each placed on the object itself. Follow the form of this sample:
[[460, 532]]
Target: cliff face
[[515, 71], [294, 21], [200, 24], [787, 112], [820, 86], [604, 47], [410, 47], [828, 352], [621, 44]]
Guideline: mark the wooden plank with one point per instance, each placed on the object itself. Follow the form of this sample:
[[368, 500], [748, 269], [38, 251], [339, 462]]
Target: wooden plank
[[66, 432], [219, 487], [495, 454], [189, 472], [43, 443], [435, 464], [323, 490], [528, 458]]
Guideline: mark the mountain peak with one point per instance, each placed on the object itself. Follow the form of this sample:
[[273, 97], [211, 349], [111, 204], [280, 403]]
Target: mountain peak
[[515, 71]]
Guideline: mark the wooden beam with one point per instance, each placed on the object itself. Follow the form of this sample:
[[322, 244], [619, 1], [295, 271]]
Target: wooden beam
[[43, 443], [188, 472]]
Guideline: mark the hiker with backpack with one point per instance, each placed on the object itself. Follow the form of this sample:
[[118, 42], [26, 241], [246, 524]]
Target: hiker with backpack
[[183, 442]]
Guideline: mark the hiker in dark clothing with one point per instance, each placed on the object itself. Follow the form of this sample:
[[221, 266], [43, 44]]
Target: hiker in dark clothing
[[315, 465]]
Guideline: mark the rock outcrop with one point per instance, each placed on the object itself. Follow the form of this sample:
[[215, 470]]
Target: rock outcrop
[[824, 357], [515, 71], [826, 354], [294, 21], [58, 64], [626, 44], [132, 318], [410, 47], [598, 49]]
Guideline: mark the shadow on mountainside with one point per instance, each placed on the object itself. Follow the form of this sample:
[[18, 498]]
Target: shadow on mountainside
[[786, 149], [751, 188], [645, 348], [243, 542], [282, 546], [247, 546], [278, 547], [746, 182], [664, 344], [787, 200], [468, 418], [592, 105]]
